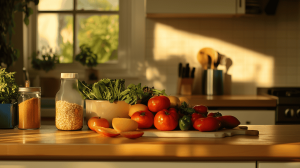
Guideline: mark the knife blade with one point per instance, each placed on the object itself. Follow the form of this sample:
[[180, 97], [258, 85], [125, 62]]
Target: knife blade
[[180, 70]]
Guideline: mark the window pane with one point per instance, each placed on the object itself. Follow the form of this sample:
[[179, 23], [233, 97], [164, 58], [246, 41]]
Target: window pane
[[50, 5], [56, 31], [100, 33], [102, 5]]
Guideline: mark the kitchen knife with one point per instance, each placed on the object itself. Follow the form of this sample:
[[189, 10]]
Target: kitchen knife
[[183, 73], [180, 70], [193, 73], [187, 70]]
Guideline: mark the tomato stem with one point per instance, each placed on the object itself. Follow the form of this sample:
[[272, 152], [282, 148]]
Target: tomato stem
[[143, 114]]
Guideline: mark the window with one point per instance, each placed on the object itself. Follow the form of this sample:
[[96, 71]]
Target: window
[[131, 38], [65, 25]]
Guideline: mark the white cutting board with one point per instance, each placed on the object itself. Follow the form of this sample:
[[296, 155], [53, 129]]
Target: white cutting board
[[198, 134]]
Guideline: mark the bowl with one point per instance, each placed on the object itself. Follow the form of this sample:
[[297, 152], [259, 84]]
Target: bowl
[[107, 110]]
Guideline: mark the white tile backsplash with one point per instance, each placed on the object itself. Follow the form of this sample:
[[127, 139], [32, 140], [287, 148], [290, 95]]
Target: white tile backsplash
[[265, 50]]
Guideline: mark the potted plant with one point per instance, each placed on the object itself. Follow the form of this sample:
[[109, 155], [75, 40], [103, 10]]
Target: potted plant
[[46, 60], [7, 10], [87, 58], [9, 93]]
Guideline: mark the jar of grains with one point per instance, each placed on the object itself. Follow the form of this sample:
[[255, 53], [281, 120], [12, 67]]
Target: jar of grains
[[68, 104], [29, 108]]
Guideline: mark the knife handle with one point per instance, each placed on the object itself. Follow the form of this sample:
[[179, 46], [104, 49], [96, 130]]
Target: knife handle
[[187, 70], [180, 70], [193, 73], [183, 73]]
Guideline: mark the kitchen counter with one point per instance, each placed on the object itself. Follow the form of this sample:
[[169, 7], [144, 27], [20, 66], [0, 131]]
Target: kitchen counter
[[233, 100], [274, 143]]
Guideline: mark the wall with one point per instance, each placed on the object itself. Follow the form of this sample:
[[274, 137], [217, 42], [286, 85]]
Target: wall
[[264, 49]]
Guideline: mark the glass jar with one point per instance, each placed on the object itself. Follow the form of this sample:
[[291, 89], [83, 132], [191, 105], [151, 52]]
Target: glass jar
[[29, 108], [68, 104]]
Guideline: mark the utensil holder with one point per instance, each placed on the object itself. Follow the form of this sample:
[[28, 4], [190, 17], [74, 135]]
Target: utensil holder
[[213, 82], [185, 86]]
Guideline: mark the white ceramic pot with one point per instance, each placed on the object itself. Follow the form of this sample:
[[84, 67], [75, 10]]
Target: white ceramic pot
[[107, 110]]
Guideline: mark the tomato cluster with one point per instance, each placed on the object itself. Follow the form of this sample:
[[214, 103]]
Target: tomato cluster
[[166, 114], [166, 119]]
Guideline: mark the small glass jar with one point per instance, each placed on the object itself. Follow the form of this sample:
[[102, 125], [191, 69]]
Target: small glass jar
[[68, 104], [29, 108]]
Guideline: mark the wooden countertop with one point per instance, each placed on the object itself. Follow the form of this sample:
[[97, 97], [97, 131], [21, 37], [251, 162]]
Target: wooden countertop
[[233, 100], [275, 142]]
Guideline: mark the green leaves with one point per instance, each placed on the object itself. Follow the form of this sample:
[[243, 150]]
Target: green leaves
[[7, 24], [8, 87], [114, 89], [105, 89], [47, 63], [184, 109], [86, 57]]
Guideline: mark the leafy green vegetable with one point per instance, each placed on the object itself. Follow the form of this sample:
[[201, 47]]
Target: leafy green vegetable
[[185, 109], [114, 89], [8, 87]]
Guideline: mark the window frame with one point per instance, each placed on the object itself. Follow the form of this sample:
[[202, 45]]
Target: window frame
[[131, 49]]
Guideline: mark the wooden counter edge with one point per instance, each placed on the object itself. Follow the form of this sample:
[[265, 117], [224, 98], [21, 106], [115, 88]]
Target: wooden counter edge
[[139, 152]]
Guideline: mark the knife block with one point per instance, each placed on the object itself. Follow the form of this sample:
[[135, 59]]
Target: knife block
[[185, 86]]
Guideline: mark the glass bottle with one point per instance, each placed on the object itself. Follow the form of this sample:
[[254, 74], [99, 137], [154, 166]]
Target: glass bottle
[[29, 108], [68, 104]]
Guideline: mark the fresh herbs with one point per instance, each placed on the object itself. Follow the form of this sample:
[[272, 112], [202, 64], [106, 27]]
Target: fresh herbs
[[185, 109], [8, 87], [114, 89]]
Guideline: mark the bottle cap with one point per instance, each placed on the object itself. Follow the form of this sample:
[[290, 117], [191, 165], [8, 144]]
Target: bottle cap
[[69, 75], [29, 89]]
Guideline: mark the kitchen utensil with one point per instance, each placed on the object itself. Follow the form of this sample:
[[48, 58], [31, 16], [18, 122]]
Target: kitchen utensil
[[197, 134], [213, 82], [187, 70], [193, 73], [202, 57], [216, 63], [183, 72], [209, 62], [180, 70]]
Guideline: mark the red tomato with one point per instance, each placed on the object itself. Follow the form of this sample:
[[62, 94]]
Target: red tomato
[[158, 103], [211, 114], [230, 121], [206, 124], [195, 116], [173, 110], [165, 120], [97, 121], [201, 109], [221, 120], [143, 118]]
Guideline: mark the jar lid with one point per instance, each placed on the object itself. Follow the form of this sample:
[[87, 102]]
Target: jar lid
[[69, 75], [29, 89]]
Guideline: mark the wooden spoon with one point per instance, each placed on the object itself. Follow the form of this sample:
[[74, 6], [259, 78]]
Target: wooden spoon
[[203, 57]]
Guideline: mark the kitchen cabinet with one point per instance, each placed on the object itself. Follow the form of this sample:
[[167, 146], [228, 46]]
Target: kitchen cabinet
[[278, 164], [251, 117], [51, 164], [194, 8]]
